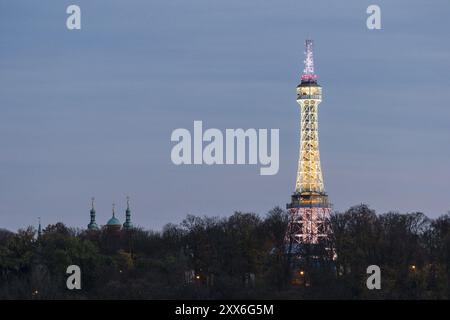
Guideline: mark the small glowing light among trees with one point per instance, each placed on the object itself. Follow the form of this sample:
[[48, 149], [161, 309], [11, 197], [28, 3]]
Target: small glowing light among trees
[[302, 273]]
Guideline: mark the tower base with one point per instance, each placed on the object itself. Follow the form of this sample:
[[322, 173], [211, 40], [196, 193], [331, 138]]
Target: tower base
[[309, 214]]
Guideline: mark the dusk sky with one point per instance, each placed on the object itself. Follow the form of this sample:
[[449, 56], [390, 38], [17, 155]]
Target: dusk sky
[[90, 112]]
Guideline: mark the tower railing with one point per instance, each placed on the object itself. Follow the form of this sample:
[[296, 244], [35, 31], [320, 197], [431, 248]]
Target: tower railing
[[309, 96]]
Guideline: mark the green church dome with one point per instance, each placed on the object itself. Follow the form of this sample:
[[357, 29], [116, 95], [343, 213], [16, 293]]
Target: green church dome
[[128, 225], [92, 226], [113, 222]]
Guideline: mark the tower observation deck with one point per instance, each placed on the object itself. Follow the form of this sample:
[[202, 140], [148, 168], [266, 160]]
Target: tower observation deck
[[309, 207]]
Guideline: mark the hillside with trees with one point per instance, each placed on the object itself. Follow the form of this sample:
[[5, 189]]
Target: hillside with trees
[[239, 257]]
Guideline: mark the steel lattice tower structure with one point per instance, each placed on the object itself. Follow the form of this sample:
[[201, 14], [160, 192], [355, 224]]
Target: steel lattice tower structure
[[309, 207]]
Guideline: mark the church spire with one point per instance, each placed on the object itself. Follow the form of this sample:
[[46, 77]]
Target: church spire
[[39, 228], [127, 224], [92, 225]]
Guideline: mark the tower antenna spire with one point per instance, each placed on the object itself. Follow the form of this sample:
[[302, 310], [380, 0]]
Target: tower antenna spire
[[308, 72]]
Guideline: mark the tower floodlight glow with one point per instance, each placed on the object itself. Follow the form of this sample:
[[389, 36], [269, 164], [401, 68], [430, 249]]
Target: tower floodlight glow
[[309, 208]]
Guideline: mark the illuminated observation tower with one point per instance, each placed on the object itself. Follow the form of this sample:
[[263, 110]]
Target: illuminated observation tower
[[309, 206]]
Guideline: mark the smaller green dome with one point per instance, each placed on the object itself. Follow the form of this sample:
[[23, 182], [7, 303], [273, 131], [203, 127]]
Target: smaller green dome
[[128, 225], [113, 222], [92, 226]]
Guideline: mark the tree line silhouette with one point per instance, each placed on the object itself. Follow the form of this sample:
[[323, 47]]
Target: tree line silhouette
[[243, 256]]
